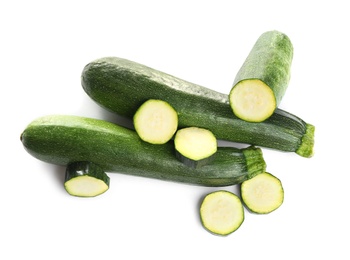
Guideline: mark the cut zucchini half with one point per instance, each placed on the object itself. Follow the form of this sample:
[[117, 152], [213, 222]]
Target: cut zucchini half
[[195, 146], [221, 212], [252, 100], [155, 121], [263, 78], [85, 179], [263, 193]]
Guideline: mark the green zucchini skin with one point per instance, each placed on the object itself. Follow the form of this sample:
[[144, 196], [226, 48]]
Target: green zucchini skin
[[121, 86], [270, 61], [62, 139], [194, 163], [77, 168]]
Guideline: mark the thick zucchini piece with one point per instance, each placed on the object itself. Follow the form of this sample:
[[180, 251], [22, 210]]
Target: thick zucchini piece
[[221, 212], [85, 179], [155, 121], [195, 146], [262, 194], [62, 139], [121, 86], [263, 78]]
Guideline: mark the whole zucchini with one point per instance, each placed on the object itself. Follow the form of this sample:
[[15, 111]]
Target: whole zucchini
[[63, 139], [122, 86]]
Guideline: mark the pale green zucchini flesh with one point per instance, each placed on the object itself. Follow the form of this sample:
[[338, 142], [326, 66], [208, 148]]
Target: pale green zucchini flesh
[[155, 121], [85, 179], [221, 212], [195, 146], [252, 100], [262, 194], [263, 78]]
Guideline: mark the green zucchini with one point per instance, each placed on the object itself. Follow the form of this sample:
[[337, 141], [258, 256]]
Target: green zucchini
[[221, 212], [195, 146], [85, 179], [155, 121], [262, 194], [121, 86], [263, 78], [62, 139]]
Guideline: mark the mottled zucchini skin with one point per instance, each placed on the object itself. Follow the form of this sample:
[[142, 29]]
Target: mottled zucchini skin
[[121, 86], [63, 139]]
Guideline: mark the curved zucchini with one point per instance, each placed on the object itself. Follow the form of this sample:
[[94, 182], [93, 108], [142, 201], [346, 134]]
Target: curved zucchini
[[121, 86], [263, 78], [62, 139]]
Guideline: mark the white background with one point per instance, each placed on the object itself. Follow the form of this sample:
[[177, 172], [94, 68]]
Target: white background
[[45, 45]]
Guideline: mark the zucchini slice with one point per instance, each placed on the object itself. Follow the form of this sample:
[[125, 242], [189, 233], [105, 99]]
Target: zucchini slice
[[263, 78], [263, 193], [155, 121], [221, 212], [195, 146], [85, 179]]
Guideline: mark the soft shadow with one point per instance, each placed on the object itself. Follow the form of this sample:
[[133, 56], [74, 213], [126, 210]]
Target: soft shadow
[[114, 118], [58, 172]]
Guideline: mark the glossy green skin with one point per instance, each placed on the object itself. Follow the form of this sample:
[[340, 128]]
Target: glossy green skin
[[194, 163], [270, 61], [79, 168], [65, 139], [122, 86]]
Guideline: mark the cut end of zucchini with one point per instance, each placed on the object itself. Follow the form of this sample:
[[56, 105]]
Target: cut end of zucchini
[[221, 212], [85, 179], [195, 146], [252, 100], [306, 149], [263, 193], [156, 121]]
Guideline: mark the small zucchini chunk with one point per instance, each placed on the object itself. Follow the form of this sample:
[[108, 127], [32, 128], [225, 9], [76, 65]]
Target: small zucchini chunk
[[155, 121], [85, 179], [263, 193], [221, 212], [195, 146]]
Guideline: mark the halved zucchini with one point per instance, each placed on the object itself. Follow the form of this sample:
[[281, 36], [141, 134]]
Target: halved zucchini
[[263, 78], [85, 179], [221, 212], [195, 146], [263, 193], [155, 121]]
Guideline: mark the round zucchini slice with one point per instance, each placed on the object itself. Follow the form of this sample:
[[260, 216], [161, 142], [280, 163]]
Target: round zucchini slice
[[85, 179], [155, 121], [263, 193], [252, 100], [221, 212], [195, 146]]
